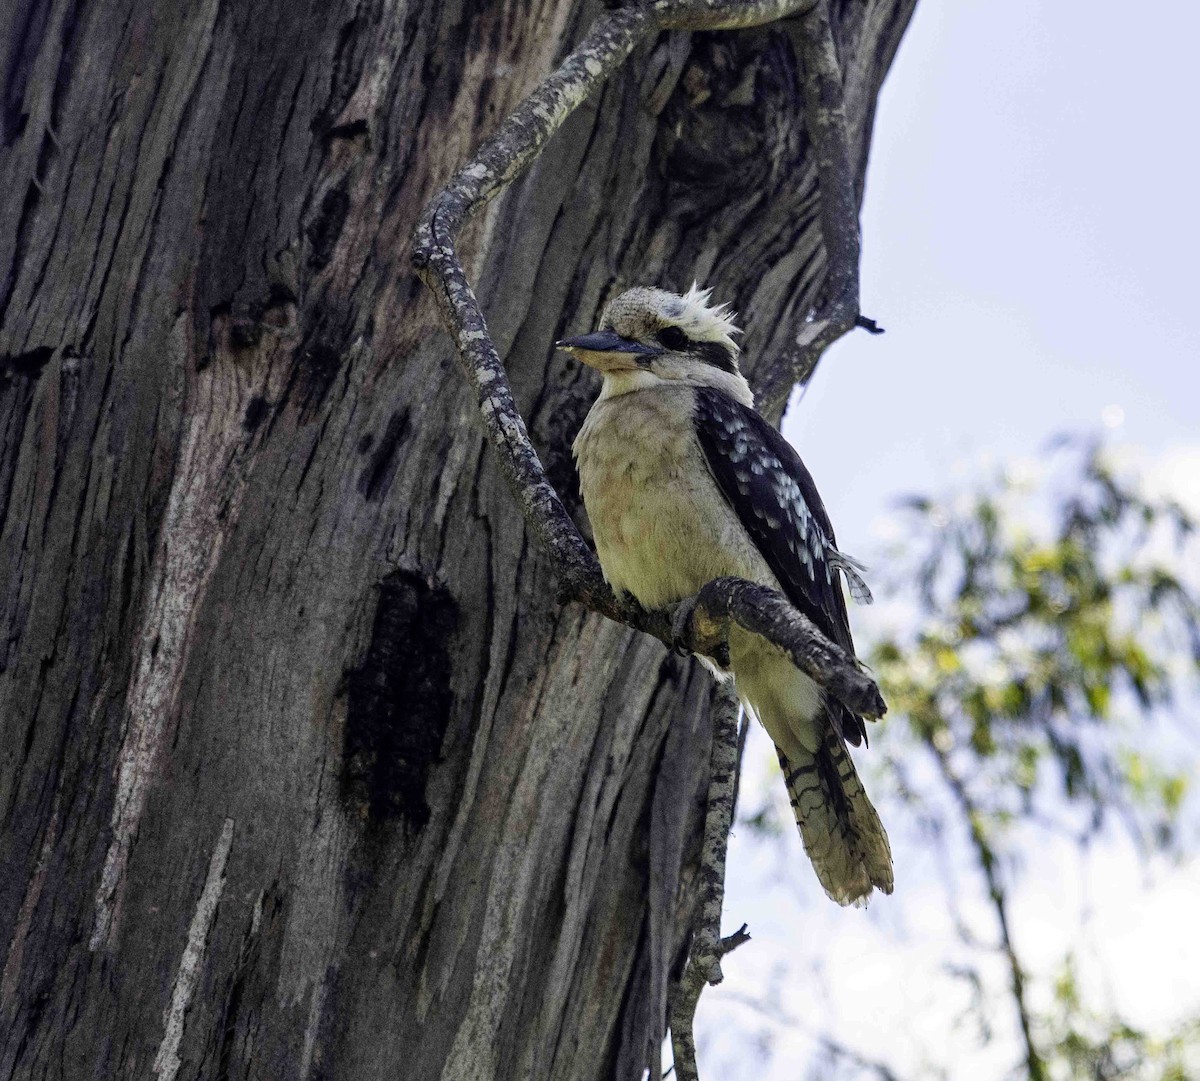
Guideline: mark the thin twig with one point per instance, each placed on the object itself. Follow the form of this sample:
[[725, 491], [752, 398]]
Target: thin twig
[[1034, 1063], [708, 947], [774, 1011], [825, 119], [496, 164]]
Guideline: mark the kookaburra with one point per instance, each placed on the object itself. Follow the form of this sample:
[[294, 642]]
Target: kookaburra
[[683, 483]]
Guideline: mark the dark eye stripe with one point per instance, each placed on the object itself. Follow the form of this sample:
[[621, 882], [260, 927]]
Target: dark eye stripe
[[717, 354]]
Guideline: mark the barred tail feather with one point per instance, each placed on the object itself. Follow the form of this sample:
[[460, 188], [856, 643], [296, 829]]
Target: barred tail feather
[[839, 826]]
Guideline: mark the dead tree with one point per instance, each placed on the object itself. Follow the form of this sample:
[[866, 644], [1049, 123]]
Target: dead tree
[[305, 772]]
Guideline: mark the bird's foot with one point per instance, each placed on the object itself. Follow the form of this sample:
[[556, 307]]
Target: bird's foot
[[683, 634], [681, 627]]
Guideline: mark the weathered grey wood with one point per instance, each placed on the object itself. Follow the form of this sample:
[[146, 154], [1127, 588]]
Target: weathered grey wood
[[708, 947], [504, 156], [302, 771]]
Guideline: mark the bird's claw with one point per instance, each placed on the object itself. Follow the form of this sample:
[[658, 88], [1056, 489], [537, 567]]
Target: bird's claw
[[682, 634], [681, 627]]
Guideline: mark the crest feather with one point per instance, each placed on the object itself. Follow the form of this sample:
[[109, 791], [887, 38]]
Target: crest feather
[[709, 322]]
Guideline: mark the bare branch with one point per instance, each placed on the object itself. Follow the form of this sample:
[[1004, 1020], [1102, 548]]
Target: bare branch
[[837, 1051], [1034, 1063], [707, 947], [497, 163], [771, 1009], [705, 618], [725, 14], [702, 625], [825, 118]]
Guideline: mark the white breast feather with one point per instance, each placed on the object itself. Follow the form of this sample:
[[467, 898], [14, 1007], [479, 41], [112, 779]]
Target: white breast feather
[[661, 526], [663, 529]]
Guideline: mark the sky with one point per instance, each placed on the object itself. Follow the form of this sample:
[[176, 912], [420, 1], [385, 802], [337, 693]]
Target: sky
[[1030, 231], [1030, 239]]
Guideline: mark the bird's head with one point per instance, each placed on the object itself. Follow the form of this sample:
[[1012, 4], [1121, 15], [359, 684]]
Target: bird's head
[[648, 336]]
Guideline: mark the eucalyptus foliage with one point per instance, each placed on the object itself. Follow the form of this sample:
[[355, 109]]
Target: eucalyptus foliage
[[1038, 642], [1053, 636]]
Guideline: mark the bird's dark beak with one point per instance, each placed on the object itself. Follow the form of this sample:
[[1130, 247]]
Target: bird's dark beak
[[608, 351]]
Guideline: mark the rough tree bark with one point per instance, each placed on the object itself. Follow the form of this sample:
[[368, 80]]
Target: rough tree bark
[[303, 773]]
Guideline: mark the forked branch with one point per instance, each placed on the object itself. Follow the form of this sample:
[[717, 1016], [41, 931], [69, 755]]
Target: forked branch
[[504, 157], [701, 624]]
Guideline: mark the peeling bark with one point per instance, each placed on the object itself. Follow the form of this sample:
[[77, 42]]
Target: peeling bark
[[230, 424]]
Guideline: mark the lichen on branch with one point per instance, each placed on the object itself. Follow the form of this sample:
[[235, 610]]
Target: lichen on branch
[[707, 947], [701, 624]]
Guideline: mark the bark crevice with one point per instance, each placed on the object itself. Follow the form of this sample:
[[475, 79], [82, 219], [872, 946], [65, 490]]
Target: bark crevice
[[206, 482]]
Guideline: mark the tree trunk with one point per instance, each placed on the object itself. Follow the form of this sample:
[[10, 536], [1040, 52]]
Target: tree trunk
[[304, 772]]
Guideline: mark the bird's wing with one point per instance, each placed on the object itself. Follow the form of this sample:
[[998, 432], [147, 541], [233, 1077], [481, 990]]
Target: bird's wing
[[775, 499]]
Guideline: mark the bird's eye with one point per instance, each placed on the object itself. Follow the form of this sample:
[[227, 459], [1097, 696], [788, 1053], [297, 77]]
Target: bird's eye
[[673, 338]]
